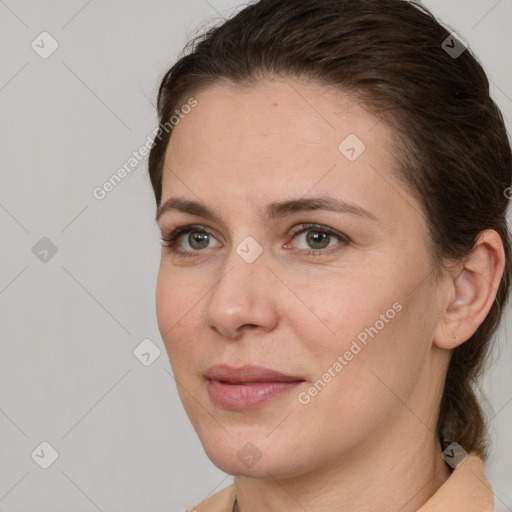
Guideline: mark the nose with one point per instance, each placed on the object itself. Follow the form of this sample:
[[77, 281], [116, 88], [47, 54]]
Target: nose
[[244, 298]]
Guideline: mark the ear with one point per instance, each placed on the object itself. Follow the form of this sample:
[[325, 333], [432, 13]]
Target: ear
[[472, 290]]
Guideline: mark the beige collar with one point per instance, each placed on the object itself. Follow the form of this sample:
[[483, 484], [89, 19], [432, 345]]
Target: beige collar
[[466, 490]]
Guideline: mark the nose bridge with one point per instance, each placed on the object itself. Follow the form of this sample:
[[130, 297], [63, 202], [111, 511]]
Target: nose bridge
[[243, 276], [246, 264], [243, 294]]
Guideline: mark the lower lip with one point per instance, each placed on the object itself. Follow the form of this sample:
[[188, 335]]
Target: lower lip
[[238, 396]]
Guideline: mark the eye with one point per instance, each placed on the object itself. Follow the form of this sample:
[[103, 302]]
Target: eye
[[315, 239], [197, 238]]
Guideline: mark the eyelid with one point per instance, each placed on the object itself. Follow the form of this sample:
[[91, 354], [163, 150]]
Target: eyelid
[[327, 252], [321, 228], [172, 238]]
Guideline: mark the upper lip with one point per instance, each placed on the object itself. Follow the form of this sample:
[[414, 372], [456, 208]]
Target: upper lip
[[247, 373]]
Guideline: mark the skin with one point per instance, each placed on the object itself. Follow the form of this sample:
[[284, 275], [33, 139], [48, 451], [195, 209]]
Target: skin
[[367, 440]]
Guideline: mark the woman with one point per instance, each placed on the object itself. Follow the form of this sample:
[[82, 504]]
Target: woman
[[335, 255]]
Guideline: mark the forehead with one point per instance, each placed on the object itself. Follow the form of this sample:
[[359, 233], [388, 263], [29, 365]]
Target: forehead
[[275, 126], [254, 145], [279, 114]]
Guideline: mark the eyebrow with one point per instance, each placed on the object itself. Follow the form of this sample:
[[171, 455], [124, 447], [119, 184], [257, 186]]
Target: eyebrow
[[276, 209]]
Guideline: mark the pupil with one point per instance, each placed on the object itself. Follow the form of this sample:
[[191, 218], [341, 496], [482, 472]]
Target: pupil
[[200, 238], [314, 237]]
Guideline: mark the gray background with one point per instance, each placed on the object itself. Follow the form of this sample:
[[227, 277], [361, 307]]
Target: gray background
[[69, 324]]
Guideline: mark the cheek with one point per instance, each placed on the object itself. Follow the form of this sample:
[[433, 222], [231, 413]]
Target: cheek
[[178, 304], [381, 359], [165, 301], [359, 374], [337, 308], [359, 328]]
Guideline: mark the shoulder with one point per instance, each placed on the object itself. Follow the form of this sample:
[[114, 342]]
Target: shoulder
[[466, 490], [221, 501]]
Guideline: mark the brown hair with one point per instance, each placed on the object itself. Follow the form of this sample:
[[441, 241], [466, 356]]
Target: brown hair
[[454, 153]]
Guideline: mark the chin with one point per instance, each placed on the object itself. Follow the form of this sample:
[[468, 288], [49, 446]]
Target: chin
[[239, 456]]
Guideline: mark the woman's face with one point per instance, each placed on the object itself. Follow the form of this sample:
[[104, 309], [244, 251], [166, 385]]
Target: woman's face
[[299, 327]]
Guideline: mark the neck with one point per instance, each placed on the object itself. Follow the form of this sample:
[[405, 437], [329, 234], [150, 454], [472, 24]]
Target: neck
[[403, 476]]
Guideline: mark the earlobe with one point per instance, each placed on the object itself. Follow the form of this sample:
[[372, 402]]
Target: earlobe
[[473, 291]]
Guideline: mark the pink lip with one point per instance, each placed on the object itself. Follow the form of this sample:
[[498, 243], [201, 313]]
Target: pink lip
[[247, 386]]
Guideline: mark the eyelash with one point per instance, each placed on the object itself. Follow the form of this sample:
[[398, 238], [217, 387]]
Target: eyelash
[[170, 242]]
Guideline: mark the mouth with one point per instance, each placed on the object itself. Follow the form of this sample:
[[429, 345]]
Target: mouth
[[247, 387]]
